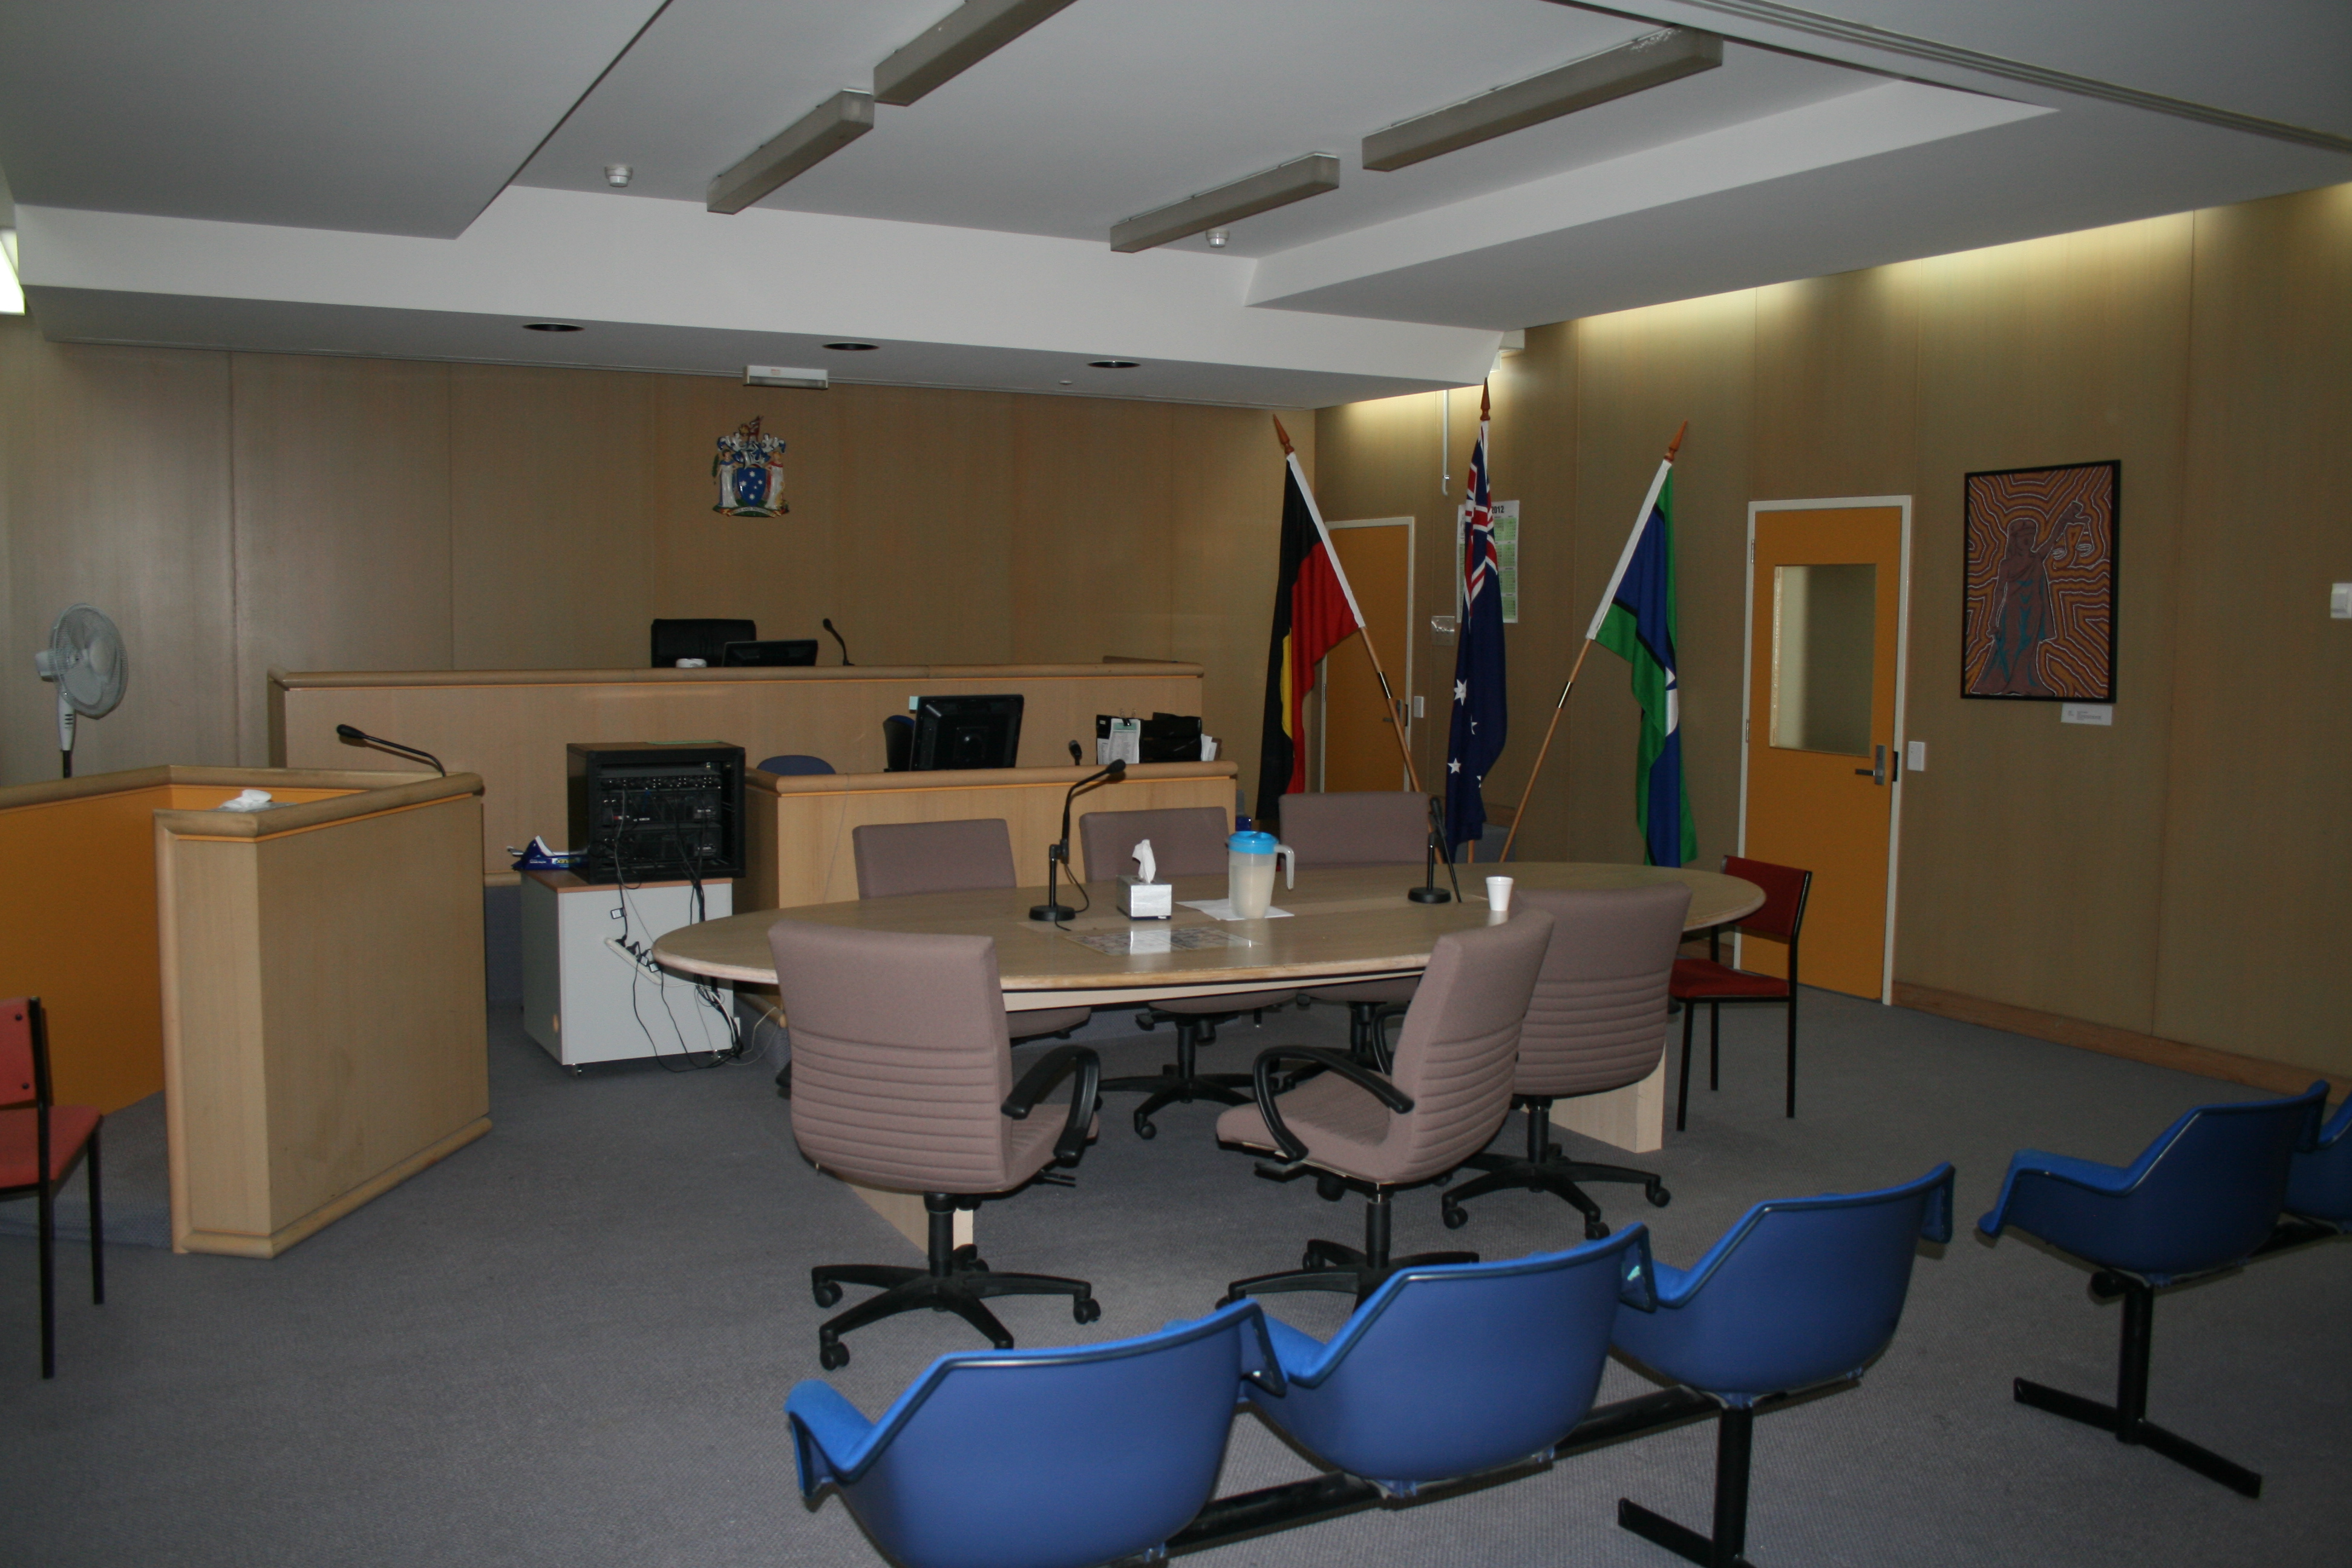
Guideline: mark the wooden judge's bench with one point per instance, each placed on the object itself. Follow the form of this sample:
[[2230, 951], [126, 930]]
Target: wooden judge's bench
[[511, 727]]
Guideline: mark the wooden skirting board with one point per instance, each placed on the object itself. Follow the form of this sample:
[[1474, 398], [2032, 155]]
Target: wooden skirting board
[[2281, 1077]]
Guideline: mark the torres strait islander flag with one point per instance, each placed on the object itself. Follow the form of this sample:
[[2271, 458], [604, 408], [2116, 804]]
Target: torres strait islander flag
[[1636, 622], [1314, 612]]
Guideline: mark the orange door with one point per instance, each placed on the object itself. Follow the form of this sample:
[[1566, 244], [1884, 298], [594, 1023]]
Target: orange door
[[1825, 606], [1359, 749]]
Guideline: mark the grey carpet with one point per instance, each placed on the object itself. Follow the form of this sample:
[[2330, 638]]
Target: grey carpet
[[570, 1344]]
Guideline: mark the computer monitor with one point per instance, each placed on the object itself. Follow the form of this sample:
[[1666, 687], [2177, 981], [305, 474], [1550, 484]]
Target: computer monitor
[[965, 732], [704, 639], [791, 650]]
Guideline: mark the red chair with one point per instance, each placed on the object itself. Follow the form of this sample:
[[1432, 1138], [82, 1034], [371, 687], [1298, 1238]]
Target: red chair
[[1716, 984], [40, 1145]]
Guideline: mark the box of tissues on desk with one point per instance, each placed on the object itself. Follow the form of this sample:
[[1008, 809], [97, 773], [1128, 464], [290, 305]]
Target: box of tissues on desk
[[1146, 898]]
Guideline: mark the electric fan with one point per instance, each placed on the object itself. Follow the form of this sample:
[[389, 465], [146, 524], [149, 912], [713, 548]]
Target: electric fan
[[85, 658]]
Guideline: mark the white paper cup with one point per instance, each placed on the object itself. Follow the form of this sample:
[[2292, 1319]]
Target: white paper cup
[[1498, 894]]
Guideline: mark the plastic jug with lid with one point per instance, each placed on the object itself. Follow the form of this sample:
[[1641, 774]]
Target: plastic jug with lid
[[1249, 872]]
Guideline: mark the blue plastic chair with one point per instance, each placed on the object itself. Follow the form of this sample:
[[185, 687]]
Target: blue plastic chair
[[2203, 1197], [2319, 1184], [1456, 1368], [1045, 1458], [795, 764], [1801, 1291]]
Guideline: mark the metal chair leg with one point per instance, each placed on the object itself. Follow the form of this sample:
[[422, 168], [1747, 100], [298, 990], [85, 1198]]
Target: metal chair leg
[[1682, 1096]]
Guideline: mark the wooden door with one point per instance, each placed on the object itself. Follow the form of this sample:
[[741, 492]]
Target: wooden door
[[1358, 751], [1827, 586]]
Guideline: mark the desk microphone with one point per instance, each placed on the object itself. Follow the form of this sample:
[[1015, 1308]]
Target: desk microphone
[[1058, 855], [827, 623], [1078, 758], [1428, 892], [353, 735]]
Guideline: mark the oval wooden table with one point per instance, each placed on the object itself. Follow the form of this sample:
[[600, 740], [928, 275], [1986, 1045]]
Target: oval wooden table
[[1344, 924]]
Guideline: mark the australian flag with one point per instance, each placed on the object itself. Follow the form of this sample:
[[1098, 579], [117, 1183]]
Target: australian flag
[[1481, 706]]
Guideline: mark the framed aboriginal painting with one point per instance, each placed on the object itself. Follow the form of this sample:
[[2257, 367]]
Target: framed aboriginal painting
[[2038, 615]]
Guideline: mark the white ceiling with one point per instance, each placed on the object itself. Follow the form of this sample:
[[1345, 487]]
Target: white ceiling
[[422, 177]]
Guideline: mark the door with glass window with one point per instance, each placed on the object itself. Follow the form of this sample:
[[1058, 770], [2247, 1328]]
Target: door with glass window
[[1823, 768]]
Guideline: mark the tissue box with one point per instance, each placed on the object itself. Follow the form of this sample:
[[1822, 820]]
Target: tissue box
[[1142, 901]]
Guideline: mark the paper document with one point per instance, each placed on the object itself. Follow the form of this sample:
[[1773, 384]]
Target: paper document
[[1222, 910]]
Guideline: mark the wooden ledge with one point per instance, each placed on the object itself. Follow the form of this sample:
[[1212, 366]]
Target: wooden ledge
[[368, 799], [2279, 1078], [981, 778], [895, 674]]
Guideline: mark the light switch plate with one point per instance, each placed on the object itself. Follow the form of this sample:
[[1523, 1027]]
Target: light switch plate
[[2339, 601], [2086, 713], [1915, 757]]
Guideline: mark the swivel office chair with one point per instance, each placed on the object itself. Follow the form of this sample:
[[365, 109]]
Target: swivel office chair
[[1187, 841], [1597, 1023], [1355, 1130], [1361, 828], [903, 1080], [2203, 1197], [1799, 1293], [895, 858]]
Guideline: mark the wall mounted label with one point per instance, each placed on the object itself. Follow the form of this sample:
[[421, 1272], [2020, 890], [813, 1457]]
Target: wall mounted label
[[2086, 714]]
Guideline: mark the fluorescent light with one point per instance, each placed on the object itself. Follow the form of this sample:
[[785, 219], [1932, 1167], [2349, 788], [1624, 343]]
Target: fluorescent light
[[1651, 60], [1291, 182], [12, 294], [965, 36], [784, 375], [808, 142]]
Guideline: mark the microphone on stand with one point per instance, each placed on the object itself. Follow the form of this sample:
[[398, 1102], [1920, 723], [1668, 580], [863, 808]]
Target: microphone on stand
[[1078, 758], [827, 623], [1058, 855], [353, 735], [1428, 892]]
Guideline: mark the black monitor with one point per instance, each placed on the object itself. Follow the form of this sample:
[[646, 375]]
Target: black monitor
[[965, 732], [704, 639], [792, 651]]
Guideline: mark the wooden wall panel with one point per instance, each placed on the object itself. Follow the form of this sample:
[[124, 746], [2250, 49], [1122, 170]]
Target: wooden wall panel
[[2257, 838], [114, 489], [551, 486], [342, 521], [1837, 381], [1093, 541], [2030, 858]]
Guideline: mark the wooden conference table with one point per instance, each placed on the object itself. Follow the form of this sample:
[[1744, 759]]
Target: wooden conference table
[[1346, 923]]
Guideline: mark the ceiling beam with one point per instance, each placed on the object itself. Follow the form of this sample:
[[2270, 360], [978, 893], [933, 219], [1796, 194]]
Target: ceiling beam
[[1291, 182], [965, 36], [799, 147], [1636, 66]]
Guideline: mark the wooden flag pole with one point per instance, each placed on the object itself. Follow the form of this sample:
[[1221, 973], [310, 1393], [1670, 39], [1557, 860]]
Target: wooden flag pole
[[1396, 721], [1561, 706]]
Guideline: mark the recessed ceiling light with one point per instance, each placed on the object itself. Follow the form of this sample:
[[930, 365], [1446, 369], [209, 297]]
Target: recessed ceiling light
[[1111, 363], [550, 327], [852, 347]]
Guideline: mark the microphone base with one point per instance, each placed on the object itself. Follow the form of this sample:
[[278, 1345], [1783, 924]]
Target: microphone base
[[1429, 894], [1052, 913]]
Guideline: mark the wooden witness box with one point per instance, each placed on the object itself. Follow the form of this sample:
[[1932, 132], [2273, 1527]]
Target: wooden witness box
[[303, 983]]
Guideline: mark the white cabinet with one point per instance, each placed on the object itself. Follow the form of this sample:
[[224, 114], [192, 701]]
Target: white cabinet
[[586, 999]]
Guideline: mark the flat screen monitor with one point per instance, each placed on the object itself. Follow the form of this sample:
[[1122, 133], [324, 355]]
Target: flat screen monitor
[[965, 732], [791, 650]]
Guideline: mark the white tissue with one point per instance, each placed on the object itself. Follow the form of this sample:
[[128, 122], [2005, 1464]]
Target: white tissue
[[1148, 861], [250, 800]]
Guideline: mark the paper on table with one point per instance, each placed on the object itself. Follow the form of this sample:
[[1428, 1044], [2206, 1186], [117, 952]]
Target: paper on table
[[1222, 910]]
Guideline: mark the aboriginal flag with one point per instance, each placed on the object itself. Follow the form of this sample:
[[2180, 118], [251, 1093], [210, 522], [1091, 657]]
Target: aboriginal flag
[[1314, 612]]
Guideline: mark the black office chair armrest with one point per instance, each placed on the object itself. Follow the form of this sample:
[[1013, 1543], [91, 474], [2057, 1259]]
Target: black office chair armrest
[[1042, 1076], [1354, 1071]]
